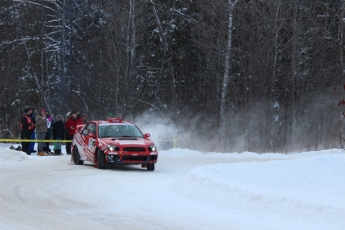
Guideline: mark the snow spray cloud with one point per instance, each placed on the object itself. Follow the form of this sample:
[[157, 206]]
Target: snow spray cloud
[[192, 133], [166, 131], [262, 126]]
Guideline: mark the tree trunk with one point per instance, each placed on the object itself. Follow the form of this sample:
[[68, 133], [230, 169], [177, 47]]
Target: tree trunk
[[341, 36], [63, 88], [226, 78]]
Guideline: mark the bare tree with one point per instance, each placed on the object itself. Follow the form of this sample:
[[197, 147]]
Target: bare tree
[[227, 77]]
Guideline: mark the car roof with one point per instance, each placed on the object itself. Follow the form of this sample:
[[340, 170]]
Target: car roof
[[109, 123], [114, 121]]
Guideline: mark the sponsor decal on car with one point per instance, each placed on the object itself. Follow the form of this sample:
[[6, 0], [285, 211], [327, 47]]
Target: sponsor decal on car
[[102, 145], [79, 139], [92, 144], [138, 142]]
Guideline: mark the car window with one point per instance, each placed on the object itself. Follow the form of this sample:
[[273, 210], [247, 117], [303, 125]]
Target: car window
[[108, 130], [92, 128], [89, 128], [128, 131], [119, 131], [85, 130], [101, 131]]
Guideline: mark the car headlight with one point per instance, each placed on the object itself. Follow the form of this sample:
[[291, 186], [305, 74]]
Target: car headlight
[[112, 148], [152, 148]]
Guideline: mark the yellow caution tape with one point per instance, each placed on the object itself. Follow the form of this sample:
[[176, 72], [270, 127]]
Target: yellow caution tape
[[173, 140], [169, 140], [29, 140]]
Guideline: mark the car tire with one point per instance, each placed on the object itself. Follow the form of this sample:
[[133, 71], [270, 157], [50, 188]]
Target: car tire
[[100, 159], [150, 167], [76, 157]]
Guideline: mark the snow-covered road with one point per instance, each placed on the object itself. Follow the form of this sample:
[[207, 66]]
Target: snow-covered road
[[188, 190]]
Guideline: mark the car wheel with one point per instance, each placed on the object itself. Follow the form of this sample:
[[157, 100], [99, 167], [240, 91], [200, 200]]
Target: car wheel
[[76, 157], [100, 159], [150, 167]]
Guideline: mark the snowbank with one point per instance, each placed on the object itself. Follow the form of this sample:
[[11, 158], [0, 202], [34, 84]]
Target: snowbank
[[10, 156], [308, 193]]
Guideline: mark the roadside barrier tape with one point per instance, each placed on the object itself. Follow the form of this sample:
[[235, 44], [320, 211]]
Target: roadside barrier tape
[[173, 140], [169, 140], [34, 140], [29, 140]]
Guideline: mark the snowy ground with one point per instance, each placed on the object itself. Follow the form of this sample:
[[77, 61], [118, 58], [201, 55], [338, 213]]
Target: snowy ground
[[188, 190]]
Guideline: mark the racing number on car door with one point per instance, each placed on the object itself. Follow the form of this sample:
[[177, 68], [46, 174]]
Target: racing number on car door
[[91, 145]]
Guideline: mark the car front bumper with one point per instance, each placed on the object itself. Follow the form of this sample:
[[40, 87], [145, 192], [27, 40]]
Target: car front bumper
[[131, 158]]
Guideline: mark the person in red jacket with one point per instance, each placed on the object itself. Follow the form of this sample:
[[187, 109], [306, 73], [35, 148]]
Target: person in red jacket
[[71, 127]]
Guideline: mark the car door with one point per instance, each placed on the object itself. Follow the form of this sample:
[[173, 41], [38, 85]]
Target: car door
[[89, 141], [81, 142]]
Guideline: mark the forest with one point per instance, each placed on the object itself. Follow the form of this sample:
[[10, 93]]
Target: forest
[[238, 75]]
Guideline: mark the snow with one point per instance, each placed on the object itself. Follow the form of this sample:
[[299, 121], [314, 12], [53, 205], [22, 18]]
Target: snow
[[187, 190]]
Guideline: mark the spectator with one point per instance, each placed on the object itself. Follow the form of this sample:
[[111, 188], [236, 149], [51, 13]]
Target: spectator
[[71, 128], [33, 134], [84, 117], [58, 131], [41, 129], [27, 127], [68, 115], [50, 121]]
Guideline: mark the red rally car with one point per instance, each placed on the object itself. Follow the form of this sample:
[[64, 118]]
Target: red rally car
[[113, 141]]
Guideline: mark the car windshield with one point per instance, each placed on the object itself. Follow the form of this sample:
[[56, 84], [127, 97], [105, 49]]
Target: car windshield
[[118, 130]]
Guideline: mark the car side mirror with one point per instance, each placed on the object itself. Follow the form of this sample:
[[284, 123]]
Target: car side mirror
[[147, 136], [92, 135]]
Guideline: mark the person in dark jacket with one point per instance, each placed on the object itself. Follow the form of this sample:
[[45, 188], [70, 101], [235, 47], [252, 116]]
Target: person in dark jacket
[[33, 135], [27, 127], [58, 131]]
